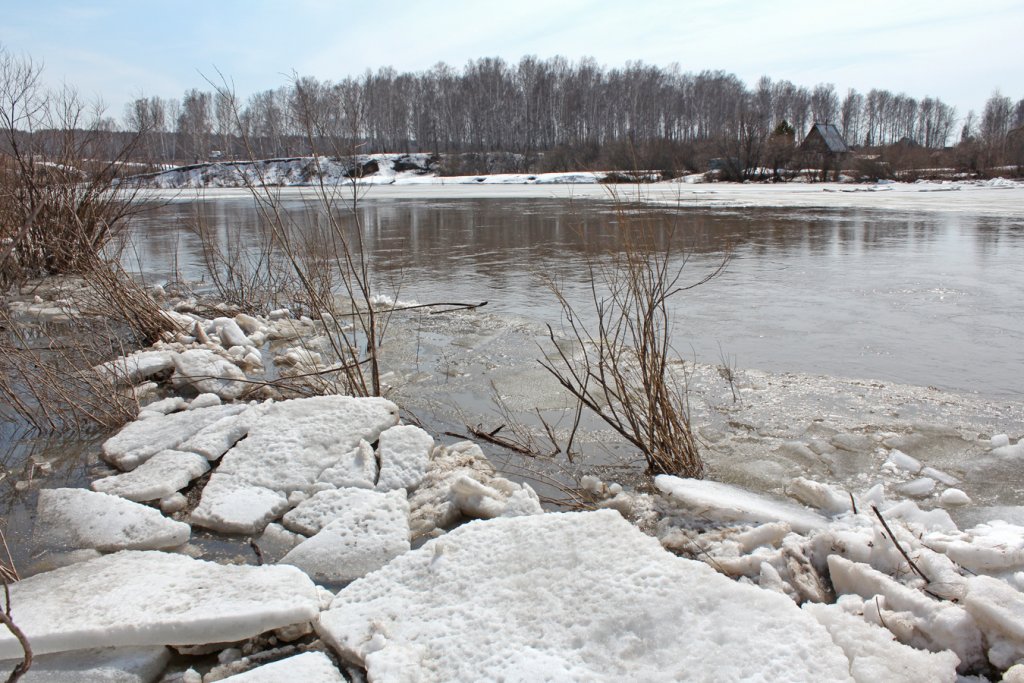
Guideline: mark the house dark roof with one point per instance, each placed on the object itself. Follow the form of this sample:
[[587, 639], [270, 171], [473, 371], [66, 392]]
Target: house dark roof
[[830, 135]]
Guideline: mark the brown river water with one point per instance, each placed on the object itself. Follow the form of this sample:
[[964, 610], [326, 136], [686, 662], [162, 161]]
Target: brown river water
[[930, 299]]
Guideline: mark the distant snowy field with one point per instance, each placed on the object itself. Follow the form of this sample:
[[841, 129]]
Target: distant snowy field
[[414, 176]]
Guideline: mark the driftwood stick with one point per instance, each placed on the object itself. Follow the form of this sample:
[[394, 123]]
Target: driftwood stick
[[5, 617], [895, 542]]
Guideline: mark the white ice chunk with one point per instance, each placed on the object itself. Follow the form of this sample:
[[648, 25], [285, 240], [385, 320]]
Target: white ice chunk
[[209, 373], [441, 499], [951, 497], [370, 531], [133, 369], [314, 513], [248, 324], [214, 440], [918, 487], [77, 518], [309, 667], [171, 404], [160, 476], [725, 503], [821, 496], [285, 451], [999, 441], [996, 606], [904, 462], [876, 656], [134, 598], [232, 506], [943, 478], [990, 548], [908, 511], [404, 455], [103, 665], [204, 401], [138, 441], [933, 625], [483, 501], [615, 606], [230, 333]]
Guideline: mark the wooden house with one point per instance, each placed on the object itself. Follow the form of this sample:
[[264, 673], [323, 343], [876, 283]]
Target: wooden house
[[824, 148]]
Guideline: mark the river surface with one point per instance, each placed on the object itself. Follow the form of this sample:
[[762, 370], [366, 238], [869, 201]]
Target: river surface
[[929, 299]]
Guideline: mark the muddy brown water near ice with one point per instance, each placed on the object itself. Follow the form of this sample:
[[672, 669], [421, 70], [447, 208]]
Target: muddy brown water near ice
[[809, 297], [928, 299]]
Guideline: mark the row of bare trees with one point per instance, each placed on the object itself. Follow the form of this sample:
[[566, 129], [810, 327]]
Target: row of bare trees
[[542, 105]]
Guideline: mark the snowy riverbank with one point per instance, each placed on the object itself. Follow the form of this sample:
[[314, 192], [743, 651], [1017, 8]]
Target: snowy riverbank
[[413, 177], [386, 553]]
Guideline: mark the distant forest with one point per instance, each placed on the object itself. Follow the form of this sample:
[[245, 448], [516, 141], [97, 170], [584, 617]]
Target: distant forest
[[556, 114]]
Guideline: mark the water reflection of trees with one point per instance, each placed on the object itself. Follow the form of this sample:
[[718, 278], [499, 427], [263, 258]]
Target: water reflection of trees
[[491, 236]]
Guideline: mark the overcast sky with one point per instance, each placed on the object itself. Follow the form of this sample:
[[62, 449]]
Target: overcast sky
[[120, 49]]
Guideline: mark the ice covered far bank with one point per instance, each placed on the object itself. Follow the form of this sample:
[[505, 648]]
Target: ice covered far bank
[[415, 176]]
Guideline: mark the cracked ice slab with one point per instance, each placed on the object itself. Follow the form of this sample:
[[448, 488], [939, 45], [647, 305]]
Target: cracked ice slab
[[134, 598], [725, 503], [77, 518], [569, 596], [138, 441], [160, 476], [290, 445], [357, 531]]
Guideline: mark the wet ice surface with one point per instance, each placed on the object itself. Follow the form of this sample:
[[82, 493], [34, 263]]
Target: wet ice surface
[[780, 425]]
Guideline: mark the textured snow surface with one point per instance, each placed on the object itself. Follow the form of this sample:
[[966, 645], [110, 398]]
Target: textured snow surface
[[139, 441], [357, 532], [77, 518], [569, 597], [105, 665], [136, 598], [725, 503], [286, 450], [404, 452], [160, 476], [309, 667], [876, 656]]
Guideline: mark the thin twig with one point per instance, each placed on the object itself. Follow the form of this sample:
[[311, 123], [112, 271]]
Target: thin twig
[[899, 547]]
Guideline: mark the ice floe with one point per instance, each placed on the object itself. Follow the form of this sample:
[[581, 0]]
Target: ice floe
[[160, 476], [286, 450], [77, 518], [569, 596], [138, 441], [723, 502], [102, 665], [404, 452], [135, 598], [358, 532]]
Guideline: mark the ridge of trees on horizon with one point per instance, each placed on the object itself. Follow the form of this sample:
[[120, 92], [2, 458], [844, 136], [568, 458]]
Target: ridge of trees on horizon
[[556, 114]]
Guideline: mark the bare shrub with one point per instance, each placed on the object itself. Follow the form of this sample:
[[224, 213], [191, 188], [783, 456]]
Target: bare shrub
[[621, 365]]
